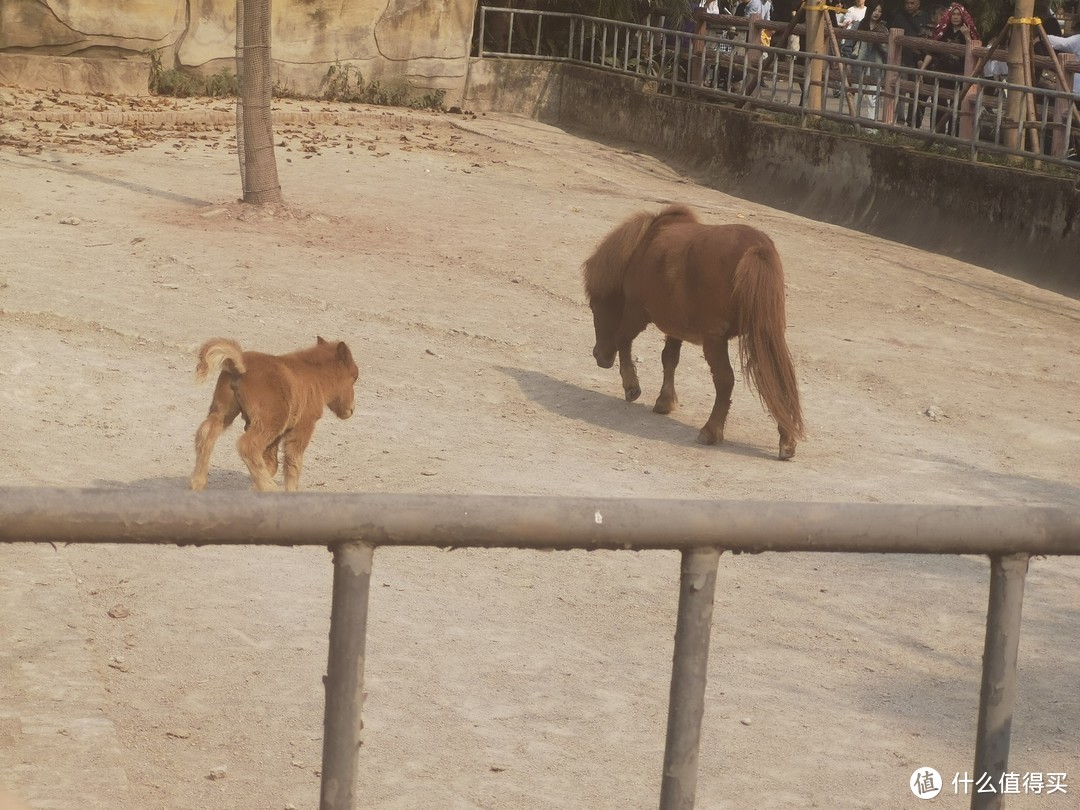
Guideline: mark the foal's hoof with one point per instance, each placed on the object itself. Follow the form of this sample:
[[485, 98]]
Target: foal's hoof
[[633, 393], [787, 451], [197, 484]]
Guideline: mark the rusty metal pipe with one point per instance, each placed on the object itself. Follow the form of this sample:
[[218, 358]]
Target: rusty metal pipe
[[689, 674], [342, 721], [998, 694], [490, 521]]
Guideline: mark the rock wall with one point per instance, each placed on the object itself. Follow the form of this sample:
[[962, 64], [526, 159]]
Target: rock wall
[[422, 42]]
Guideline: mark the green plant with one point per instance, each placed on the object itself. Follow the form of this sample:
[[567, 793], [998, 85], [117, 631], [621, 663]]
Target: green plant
[[175, 82], [346, 83]]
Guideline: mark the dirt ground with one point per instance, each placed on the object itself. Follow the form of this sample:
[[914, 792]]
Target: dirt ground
[[446, 250]]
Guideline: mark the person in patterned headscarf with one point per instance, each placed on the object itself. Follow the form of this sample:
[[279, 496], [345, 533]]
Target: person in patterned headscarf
[[955, 25], [948, 23]]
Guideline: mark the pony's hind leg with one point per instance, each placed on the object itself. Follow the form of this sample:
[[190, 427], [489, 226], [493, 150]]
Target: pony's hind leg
[[223, 411], [270, 458], [252, 447], [716, 354], [628, 372], [293, 446], [668, 401]]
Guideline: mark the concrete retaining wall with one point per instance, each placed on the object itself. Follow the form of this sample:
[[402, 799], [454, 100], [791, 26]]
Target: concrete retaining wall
[[1019, 223]]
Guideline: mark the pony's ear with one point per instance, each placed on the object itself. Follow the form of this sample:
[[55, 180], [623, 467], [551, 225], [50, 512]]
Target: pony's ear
[[343, 353], [319, 341]]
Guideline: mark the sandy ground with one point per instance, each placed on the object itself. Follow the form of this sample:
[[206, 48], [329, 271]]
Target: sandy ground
[[446, 250]]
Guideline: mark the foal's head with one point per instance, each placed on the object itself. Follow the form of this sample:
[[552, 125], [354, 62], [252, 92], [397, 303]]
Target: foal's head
[[341, 377]]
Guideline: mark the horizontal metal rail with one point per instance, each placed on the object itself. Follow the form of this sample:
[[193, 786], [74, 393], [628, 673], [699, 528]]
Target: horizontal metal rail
[[30, 514], [724, 61], [354, 525]]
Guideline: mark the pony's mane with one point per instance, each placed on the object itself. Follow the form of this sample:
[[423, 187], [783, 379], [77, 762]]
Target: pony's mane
[[603, 272]]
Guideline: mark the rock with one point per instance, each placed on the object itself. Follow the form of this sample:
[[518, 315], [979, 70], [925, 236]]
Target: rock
[[70, 221], [935, 413], [119, 612], [217, 773]]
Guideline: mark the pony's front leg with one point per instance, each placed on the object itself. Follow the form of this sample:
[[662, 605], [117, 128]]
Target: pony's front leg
[[628, 372], [668, 401], [716, 354]]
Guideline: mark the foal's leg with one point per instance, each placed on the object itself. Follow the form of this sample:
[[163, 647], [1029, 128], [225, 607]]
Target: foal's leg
[[223, 410], [252, 447], [628, 372], [716, 353], [270, 458], [668, 401], [293, 446]]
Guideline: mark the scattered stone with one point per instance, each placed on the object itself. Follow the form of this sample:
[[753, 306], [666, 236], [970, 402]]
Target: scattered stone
[[217, 773], [178, 734], [70, 221], [499, 768], [119, 612], [935, 413], [746, 721]]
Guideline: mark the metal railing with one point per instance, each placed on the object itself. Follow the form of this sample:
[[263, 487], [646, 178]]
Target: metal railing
[[353, 525], [723, 59]]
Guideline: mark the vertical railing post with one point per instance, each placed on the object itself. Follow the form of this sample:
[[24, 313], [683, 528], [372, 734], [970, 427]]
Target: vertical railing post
[[998, 694], [345, 675], [689, 671]]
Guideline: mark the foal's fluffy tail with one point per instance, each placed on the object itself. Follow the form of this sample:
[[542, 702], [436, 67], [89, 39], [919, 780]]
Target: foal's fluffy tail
[[219, 352], [763, 350]]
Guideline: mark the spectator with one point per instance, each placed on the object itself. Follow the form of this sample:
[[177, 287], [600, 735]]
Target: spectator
[[875, 53], [1050, 25], [784, 11], [957, 26], [849, 21], [915, 23], [1069, 45]]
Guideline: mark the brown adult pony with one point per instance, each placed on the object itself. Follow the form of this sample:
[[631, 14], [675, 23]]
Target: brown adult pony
[[281, 397], [705, 284]]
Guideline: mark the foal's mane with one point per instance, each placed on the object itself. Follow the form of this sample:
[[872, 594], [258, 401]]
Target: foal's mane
[[603, 272]]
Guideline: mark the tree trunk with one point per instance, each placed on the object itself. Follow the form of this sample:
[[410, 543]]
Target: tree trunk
[[255, 134], [1019, 51]]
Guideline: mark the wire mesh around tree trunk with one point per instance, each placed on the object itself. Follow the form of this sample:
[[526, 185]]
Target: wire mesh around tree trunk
[[254, 127]]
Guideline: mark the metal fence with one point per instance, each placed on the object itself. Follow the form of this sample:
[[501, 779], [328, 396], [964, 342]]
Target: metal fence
[[353, 525], [723, 59]]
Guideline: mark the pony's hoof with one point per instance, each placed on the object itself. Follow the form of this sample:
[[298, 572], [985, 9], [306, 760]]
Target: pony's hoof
[[708, 437], [665, 405], [633, 393], [787, 452], [197, 484]]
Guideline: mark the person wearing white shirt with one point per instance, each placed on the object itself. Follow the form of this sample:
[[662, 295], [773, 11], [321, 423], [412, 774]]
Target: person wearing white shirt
[[1068, 45], [849, 21]]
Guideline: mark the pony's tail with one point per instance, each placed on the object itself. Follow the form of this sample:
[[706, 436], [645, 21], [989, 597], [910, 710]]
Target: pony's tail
[[219, 352], [763, 350]]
